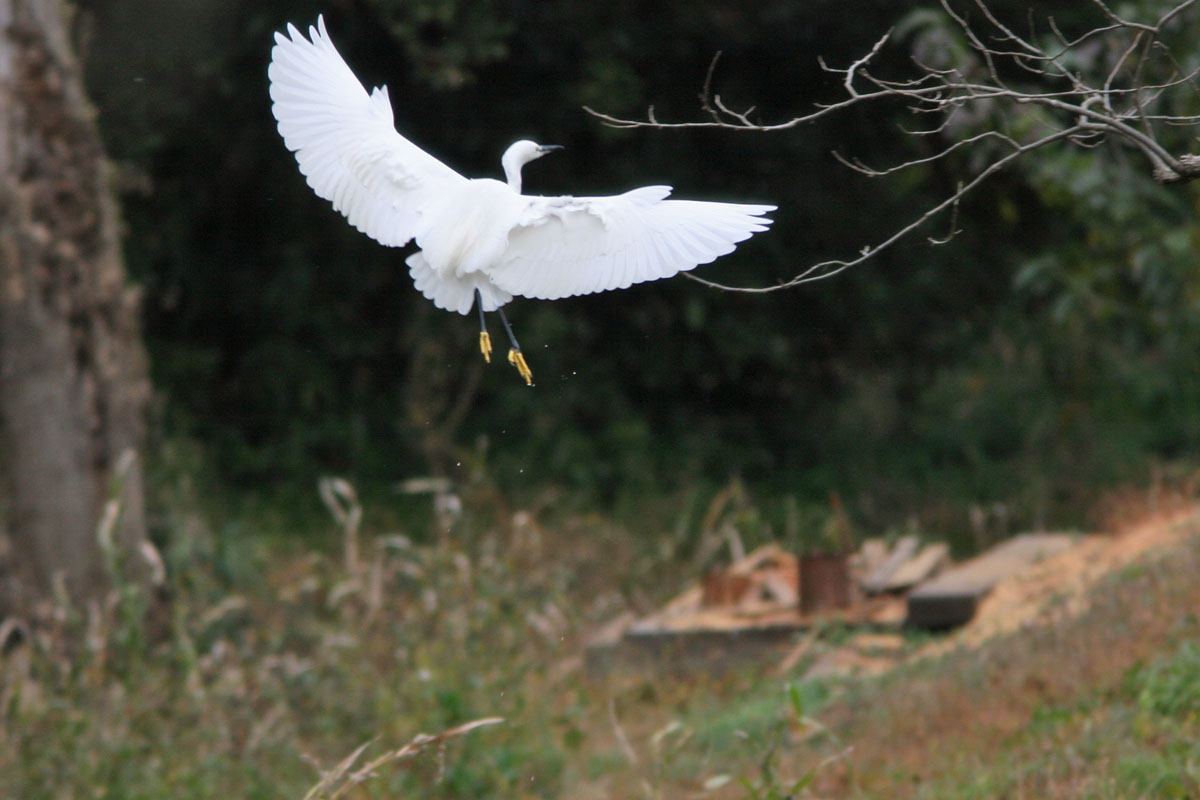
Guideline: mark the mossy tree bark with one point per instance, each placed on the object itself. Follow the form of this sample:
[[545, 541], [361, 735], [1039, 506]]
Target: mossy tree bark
[[73, 371]]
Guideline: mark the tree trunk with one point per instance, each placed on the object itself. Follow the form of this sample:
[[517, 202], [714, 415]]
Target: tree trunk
[[73, 374]]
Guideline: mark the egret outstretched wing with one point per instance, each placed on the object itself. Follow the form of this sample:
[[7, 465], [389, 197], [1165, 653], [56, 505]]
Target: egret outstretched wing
[[578, 245], [346, 142], [481, 241]]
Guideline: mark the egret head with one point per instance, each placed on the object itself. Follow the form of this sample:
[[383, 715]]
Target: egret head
[[519, 154]]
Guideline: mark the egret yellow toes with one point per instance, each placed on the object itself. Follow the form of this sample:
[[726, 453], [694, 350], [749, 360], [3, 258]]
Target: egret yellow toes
[[517, 359], [485, 346]]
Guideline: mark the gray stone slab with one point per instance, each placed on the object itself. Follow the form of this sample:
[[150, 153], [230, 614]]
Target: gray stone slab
[[952, 597], [691, 652]]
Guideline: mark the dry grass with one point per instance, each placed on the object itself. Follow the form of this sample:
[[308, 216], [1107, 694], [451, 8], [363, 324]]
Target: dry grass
[[977, 713], [296, 657]]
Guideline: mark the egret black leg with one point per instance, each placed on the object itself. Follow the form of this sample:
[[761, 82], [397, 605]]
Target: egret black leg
[[515, 356], [485, 341]]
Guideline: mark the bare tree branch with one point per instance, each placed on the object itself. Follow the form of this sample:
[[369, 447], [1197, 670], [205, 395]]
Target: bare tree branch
[[1065, 89], [827, 269]]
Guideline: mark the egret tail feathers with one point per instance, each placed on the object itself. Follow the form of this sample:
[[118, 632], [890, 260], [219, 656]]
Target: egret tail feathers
[[453, 292]]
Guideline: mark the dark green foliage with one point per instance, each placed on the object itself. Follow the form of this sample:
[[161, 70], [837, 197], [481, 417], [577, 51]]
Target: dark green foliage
[[1056, 333]]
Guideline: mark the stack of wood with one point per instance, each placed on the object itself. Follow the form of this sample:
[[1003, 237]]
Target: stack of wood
[[767, 578], [753, 610], [939, 594], [880, 568]]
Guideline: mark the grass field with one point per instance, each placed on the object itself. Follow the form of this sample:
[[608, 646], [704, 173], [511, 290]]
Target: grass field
[[274, 663]]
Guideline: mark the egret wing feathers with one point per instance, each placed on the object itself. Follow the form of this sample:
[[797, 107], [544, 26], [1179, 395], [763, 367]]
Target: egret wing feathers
[[566, 246], [345, 140], [478, 235]]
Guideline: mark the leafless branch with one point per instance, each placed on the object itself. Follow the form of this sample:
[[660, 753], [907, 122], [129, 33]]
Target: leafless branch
[[827, 269], [1062, 89]]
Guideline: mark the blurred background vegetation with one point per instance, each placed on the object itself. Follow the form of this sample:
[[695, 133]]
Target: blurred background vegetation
[[1007, 379], [1044, 354]]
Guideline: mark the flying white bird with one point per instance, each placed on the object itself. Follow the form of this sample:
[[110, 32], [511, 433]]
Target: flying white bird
[[481, 241]]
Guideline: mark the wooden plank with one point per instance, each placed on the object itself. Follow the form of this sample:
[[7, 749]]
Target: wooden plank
[[873, 552], [904, 550], [920, 567], [952, 597]]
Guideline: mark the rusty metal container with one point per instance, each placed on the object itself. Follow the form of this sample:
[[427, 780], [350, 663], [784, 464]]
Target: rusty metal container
[[824, 582]]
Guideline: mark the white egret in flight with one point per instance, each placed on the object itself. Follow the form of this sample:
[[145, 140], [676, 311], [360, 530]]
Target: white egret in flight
[[481, 241]]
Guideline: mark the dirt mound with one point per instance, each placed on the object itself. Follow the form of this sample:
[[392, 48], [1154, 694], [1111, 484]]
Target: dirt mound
[[1060, 585]]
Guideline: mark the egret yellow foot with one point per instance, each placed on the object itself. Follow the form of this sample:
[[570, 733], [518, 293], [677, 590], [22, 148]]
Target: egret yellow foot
[[517, 359], [485, 346]]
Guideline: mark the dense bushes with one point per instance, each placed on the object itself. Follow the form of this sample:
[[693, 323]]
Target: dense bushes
[[1047, 348]]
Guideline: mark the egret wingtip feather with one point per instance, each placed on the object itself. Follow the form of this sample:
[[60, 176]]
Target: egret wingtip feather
[[481, 242]]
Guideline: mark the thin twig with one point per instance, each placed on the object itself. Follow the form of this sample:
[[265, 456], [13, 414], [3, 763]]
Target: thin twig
[[827, 269], [1068, 97], [619, 732], [339, 780]]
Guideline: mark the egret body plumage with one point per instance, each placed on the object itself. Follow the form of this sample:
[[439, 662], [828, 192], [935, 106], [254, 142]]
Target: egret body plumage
[[481, 242]]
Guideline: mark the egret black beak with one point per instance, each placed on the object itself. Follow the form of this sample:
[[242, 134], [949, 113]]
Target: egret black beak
[[546, 148]]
